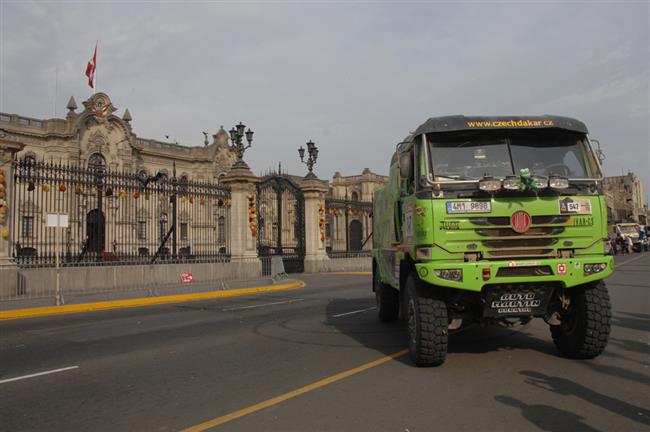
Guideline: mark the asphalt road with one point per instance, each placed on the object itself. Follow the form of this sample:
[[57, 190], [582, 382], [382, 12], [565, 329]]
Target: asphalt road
[[172, 367]]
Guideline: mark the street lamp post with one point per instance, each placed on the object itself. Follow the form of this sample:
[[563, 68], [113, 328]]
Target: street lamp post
[[312, 150], [237, 134]]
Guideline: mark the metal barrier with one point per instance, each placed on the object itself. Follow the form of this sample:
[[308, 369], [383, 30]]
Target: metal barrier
[[97, 283], [116, 217]]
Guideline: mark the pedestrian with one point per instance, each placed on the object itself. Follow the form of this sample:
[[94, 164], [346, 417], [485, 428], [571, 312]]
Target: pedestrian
[[612, 243], [621, 243], [629, 244]]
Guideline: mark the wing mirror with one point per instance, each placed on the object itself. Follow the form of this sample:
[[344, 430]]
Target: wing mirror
[[405, 165]]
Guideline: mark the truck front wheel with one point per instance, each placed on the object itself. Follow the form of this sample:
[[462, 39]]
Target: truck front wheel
[[585, 326], [387, 299], [426, 325]]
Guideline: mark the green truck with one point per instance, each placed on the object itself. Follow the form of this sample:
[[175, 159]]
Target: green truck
[[493, 220]]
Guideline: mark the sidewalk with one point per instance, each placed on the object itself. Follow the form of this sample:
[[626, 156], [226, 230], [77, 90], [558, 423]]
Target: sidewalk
[[12, 309]]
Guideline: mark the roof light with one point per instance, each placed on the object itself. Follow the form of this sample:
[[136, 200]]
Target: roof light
[[511, 183], [489, 184], [558, 182]]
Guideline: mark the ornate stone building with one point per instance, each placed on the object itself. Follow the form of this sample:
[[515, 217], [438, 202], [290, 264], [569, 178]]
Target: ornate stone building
[[125, 221], [97, 135]]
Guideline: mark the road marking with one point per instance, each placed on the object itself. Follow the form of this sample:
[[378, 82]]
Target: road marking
[[292, 394], [354, 312], [147, 301], [38, 374], [261, 305], [630, 260]]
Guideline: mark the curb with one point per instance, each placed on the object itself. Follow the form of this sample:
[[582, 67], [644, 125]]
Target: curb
[[137, 302], [353, 273]]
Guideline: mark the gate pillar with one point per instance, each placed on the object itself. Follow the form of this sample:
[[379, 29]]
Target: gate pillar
[[8, 269], [316, 258], [243, 247]]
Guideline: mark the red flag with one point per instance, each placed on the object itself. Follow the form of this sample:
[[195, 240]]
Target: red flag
[[90, 69]]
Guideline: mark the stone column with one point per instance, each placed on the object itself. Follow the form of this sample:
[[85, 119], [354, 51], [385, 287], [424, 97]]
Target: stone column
[[8, 269], [316, 258], [243, 244]]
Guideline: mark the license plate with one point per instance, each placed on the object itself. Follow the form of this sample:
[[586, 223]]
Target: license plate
[[520, 302], [469, 207]]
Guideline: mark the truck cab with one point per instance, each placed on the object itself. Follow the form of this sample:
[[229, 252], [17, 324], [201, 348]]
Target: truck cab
[[493, 220]]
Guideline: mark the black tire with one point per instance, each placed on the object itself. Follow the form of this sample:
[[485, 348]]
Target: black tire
[[585, 327], [387, 299], [426, 325]]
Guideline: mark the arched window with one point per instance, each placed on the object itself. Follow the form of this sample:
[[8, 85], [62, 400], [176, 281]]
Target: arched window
[[162, 181], [355, 196], [28, 166], [96, 162], [183, 185]]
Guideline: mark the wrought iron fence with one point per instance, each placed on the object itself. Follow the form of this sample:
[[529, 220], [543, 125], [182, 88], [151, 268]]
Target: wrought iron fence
[[348, 227], [116, 217]]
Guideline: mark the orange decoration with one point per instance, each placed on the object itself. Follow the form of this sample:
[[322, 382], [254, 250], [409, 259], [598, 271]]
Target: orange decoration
[[254, 232], [62, 187], [136, 195]]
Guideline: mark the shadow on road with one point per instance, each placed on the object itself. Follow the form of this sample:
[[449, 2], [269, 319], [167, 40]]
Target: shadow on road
[[632, 346], [547, 418], [366, 329], [633, 321], [567, 387], [618, 372], [477, 340]]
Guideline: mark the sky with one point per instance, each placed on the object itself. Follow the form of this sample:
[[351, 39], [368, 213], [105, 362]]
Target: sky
[[354, 77]]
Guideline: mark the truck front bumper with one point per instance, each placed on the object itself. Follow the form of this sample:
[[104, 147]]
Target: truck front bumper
[[569, 272]]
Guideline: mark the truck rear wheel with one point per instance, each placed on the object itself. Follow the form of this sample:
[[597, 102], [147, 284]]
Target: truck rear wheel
[[426, 325], [387, 299], [585, 326]]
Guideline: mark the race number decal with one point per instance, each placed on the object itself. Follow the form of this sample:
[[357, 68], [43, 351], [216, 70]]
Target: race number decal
[[575, 206]]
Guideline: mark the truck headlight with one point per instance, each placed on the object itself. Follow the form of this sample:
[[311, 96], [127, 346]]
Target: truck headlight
[[511, 183], [489, 185], [451, 274], [590, 269], [558, 182]]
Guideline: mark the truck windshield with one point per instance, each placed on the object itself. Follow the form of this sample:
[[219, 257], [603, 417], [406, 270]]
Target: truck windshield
[[626, 229], [473, 156]]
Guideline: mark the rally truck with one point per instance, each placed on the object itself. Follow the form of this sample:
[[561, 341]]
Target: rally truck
[[493, 220], [632, 231]]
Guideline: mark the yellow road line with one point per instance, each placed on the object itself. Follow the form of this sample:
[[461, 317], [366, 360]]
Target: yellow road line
[[353, 273], [114, 304], [292, 394]]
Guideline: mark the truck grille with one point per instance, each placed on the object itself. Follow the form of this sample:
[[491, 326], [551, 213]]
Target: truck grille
[[502, 241]]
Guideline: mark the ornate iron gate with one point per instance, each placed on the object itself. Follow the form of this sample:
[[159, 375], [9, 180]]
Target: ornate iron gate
[[281, 221]]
